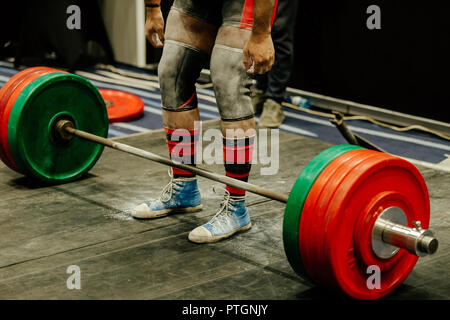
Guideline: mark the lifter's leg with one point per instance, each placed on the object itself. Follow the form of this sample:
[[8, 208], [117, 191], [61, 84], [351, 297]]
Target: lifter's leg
[[231, 87], [187, 47]]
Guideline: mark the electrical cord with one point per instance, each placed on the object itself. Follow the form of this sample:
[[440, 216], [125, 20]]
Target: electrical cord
[[365, 118]]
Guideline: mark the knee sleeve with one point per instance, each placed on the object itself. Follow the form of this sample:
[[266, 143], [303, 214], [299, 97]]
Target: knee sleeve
[[178, 70], [231, 84]]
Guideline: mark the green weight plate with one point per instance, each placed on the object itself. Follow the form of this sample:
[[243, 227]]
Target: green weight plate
[[39, 105], [297, 197]]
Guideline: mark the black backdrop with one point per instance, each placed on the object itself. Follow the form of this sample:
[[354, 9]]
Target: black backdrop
[[35, 28], [403, 67]]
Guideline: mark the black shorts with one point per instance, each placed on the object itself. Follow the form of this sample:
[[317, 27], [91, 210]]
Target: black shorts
[[235, 13]]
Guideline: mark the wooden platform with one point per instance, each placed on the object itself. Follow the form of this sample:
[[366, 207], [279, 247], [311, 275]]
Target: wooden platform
[[43, 230]]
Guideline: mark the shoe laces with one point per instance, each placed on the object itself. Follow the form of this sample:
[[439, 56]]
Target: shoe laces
[[168, 191], [225, 206]]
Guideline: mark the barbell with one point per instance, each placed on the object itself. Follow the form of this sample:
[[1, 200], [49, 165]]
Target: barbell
[[350, 210]]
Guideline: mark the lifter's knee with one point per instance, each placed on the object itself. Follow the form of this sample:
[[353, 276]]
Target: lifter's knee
[[178, 70], [231, 83]]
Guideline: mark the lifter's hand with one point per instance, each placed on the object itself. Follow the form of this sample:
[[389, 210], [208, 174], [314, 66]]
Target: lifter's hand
[[259, 54], [154, 27]]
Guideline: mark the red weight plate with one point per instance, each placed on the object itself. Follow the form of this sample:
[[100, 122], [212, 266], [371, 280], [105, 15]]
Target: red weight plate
[[9, 88], [5, 93], [357, 190], [122, 106], [314, 211], [404, 187], [340, 170], [15, 77], [15, 90]]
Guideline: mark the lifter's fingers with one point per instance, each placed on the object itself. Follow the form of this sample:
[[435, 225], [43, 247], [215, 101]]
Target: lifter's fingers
[[161, 35], [251, 68], [261, 67], [265, 65], [156, 41]]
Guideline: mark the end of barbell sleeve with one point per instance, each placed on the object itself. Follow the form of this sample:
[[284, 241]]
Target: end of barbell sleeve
[[428, 244]]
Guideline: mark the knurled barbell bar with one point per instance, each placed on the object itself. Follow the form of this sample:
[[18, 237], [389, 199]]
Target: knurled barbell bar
[[349, 209]]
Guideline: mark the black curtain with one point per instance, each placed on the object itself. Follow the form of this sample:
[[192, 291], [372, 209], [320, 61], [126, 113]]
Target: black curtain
[[36, 33], [403, 67]]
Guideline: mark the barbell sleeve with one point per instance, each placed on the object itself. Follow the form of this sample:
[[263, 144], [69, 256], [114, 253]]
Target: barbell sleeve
[[418, 241]]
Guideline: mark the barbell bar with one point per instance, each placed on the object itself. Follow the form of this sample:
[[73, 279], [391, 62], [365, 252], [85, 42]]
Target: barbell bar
[[66, 126], [350, 207]]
